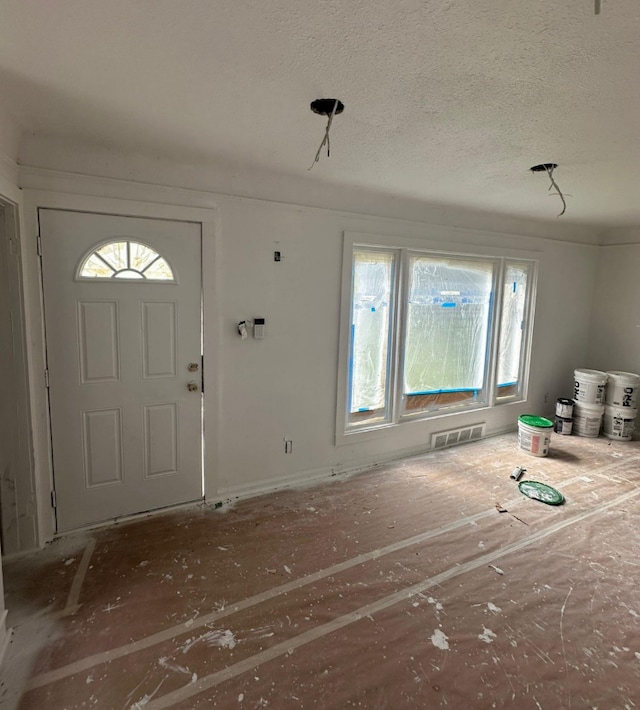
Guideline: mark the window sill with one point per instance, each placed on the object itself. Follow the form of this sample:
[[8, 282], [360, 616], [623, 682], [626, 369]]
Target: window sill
[[378, 431]]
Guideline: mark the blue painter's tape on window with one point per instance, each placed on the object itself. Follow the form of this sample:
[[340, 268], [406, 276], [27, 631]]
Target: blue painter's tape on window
[[448, 305], [443, 391]]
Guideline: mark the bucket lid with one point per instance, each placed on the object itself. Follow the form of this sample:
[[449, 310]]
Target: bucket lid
[[562, 400], [624, 376], [590, 375], [534, 420], [542, 492]]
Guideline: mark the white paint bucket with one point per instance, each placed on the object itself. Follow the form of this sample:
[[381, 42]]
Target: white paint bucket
[[587, 419], [622, 389], [563, 425], [564, 408], [534, 434], [589, 386], [619, 422]]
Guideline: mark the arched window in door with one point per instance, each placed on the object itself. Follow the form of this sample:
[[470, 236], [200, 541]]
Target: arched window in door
[[127, 260]]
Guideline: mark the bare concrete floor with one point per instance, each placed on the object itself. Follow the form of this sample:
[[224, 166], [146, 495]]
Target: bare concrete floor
[[402, 587]]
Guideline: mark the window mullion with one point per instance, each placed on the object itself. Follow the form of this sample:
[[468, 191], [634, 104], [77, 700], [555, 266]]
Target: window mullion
[[525, 352], [399, 331], [494, 331]]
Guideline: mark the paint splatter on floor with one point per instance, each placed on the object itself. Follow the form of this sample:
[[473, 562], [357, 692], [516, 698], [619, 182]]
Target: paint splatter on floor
[[380, 598]]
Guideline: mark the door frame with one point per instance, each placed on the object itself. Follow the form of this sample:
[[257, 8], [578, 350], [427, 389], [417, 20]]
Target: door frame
[[180, 243], [88, 194], [24, 533]]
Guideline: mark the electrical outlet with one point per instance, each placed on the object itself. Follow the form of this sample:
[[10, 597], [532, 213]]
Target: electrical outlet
[[288, 446]]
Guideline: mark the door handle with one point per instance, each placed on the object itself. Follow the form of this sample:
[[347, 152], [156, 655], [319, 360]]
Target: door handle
[[192, 386]]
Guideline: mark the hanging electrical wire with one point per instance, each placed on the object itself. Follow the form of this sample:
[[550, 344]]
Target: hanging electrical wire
[[326, 107], [554, 184], [549, 168]]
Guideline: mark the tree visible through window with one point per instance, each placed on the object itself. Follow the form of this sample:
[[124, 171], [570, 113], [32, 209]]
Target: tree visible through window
[[126, 260]]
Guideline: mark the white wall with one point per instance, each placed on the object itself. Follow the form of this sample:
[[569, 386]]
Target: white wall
[[6, 358], [9, 138], [615, 341], [7, 400], [285, 386], [17, 498], [314, 188], [261, 392], [10, 193]]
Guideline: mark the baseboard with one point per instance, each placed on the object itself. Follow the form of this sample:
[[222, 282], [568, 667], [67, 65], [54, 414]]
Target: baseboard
[[5, 637], [249, 490], [21, 553], [312, 477], [301, 479]]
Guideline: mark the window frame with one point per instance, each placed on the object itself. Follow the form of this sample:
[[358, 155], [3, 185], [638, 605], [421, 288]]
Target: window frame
[[347, 432], [404, 415], [393, 316], [107, 279], [525, 350]]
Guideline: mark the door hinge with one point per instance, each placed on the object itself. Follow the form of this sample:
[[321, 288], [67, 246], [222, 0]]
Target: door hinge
[[54, 502], [39, 244], [46, 378]]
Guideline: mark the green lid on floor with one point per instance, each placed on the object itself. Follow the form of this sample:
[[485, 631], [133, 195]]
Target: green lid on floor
[[542, 492], [533, 420]]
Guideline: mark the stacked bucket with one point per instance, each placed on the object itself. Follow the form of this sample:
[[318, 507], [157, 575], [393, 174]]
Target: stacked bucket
[[620, 410], [607, 401], [564, 417], [588, 396]]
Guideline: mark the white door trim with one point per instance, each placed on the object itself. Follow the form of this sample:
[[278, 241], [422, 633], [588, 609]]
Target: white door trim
[[127, 428], [155, 202], [19, 523]]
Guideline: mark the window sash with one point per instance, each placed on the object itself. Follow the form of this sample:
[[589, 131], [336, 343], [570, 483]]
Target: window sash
[[372, 318], [445, 304], [514, 330]]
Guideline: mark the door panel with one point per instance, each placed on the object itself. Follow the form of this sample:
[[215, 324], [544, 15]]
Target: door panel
[[160, 439], [126, 429], [102, 440], [98, 341], [159, 339]]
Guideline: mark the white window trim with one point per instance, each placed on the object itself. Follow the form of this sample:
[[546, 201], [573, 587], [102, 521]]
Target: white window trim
[[433, 246]]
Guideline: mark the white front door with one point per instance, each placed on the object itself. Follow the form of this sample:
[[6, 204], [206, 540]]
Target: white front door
[[122, 299]]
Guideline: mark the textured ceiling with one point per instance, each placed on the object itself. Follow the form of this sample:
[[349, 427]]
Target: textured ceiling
[[447, 101]]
